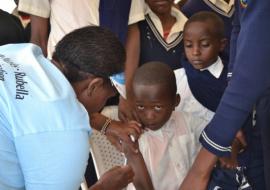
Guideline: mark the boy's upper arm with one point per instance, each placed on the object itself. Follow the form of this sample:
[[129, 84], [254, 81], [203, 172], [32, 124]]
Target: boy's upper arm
[[53, 160]]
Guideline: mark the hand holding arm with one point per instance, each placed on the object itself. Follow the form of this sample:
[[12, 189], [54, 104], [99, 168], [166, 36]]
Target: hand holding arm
[[117, 131]]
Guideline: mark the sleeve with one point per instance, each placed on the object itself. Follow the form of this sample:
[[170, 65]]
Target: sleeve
[[136, 13], [249, 81], [53, 160], [39, 8]]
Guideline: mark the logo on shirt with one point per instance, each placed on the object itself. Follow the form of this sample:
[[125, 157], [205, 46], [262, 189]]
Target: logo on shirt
[[244, 3]]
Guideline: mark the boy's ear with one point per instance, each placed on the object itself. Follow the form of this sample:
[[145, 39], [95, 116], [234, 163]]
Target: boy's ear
[[177, 100], [94, 85], [223, 44]]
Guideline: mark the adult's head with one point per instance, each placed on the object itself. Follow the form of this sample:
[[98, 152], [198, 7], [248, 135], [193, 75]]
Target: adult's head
[[203, 39], [155, 97], [87, 57]]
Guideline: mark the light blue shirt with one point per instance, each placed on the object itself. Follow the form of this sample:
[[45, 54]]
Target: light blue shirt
[[44, 129]]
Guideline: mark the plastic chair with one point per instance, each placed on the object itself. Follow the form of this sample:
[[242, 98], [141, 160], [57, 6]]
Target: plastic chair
[[105, 155]]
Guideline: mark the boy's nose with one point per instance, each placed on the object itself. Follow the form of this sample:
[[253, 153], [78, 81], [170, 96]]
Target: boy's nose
[[149, 115], [195, 51]]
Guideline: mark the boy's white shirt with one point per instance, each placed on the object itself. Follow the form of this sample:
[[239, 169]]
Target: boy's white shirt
[[177, 27], [189, 103], [216, 68], [170, 151]]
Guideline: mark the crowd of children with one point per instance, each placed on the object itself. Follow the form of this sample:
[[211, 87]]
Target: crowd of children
[[178, 70]]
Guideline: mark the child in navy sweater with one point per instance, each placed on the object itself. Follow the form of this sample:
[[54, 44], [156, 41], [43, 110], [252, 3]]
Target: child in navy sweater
[[206, 78]]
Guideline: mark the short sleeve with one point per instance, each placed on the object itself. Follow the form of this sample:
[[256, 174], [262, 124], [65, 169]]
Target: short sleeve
[[35, 7], [136, 13]]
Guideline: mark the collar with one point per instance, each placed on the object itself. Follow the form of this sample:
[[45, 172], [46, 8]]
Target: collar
[[168, 127], [177, 27], [216, 68], [221, 6]]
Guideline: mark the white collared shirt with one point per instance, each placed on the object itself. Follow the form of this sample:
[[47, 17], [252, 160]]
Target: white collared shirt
[[170, 151], [216, 68], [189, 103], [222, 7], [177, 27]]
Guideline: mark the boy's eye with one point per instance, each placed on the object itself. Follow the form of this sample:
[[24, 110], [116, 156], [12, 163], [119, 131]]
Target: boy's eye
[[140, 107], [205, 44], [188, 45], [157, 108]]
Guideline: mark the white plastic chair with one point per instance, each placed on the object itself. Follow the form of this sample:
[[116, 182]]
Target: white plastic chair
[[105, 155]]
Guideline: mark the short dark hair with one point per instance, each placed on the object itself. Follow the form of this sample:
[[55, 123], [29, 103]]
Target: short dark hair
[[153, 73], [204, 16], [92, 50]]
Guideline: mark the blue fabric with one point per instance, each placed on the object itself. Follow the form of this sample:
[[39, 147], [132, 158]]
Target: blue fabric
[[225, 179], [152, 49], [194, 6], [204, 86], [250, 78], [114, 15], [263, 120], [44, 130]]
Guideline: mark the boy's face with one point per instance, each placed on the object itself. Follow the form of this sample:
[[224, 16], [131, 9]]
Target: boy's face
[[160, 6], [154, 105], [201, 45]]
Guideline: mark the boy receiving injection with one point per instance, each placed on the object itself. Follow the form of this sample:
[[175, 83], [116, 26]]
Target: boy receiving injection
[[168, 147]]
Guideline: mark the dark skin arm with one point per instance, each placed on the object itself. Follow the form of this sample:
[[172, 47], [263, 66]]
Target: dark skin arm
[[116, 178], [39, 32], [200, 172], [126, 111], [142, 178]]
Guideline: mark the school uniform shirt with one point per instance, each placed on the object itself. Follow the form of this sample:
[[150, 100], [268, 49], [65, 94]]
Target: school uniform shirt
[[189, 103], [153, 46], [170, 151], [224, 10], [67, 15], [250, 79], [44, 129]]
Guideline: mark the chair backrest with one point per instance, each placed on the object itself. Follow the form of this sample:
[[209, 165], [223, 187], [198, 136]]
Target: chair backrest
[[105, 155]]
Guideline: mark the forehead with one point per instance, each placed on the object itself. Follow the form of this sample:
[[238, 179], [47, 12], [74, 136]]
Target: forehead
[[151, 92], [199, 28]]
